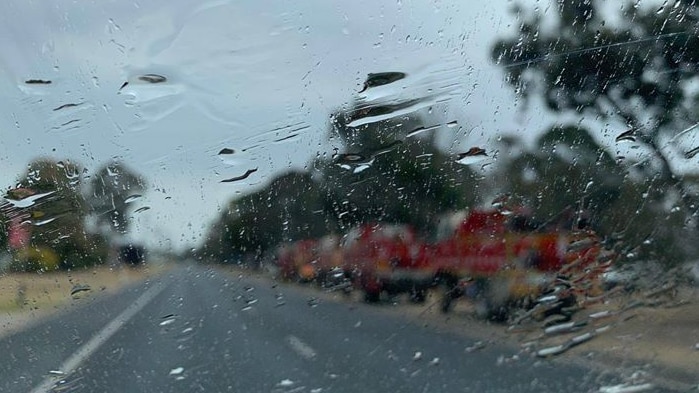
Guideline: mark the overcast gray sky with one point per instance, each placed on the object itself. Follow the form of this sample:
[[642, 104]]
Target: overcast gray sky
[[237, 71]]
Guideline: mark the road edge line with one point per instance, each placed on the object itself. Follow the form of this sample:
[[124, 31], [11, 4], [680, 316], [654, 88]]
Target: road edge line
[[92, 345]]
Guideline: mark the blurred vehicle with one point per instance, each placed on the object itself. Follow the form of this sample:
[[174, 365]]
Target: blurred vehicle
[[314, 260], [386, 258], [500, 258], [132, 254], [372, 257], [296, 260], [494, 257]]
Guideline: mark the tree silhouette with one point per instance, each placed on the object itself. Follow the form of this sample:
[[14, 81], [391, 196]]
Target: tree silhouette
[[290, 208], [376, 174], [57, 221], [380, 173], [566, 173], [635, 73], [111, 192]]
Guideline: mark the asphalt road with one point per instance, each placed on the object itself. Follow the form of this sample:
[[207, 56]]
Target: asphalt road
[[196, 329]]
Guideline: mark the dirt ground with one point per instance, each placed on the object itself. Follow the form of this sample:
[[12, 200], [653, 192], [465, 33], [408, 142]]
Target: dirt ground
[[662, 342], [665, 340], [26, 298]]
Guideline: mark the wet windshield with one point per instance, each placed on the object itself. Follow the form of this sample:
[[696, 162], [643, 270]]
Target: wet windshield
[[324, 197]]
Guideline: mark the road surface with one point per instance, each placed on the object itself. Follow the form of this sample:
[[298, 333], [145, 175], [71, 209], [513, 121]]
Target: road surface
[[197, 329]]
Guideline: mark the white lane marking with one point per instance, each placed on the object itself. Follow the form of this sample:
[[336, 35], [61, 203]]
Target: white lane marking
[[84, 352], [304, 350]]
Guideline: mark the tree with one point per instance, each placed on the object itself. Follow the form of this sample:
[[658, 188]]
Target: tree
[[57, 219], [567, 173], [291, 207], [112, 191], [635, 73], [381, 175], [385, 175]]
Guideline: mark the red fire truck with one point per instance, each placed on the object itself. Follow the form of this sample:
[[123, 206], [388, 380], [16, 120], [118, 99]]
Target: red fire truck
[[387, 257], [496, 257], [499, 258]]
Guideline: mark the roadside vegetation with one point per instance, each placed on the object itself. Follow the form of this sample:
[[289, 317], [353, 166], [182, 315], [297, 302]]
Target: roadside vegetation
[[59, 217]]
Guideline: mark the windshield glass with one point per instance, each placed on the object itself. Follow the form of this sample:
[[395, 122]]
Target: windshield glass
[[324, 196]]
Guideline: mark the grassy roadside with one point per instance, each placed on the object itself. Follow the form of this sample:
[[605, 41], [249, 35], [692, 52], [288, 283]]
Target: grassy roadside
[[27, 297]]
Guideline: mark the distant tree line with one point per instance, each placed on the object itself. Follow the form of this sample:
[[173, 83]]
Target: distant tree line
[[378, 175]]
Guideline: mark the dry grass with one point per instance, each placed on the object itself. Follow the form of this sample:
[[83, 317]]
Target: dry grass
[[664, 337], [27, 297]]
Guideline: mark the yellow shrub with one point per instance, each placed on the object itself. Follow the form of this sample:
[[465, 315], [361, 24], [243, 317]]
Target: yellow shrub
[[33, 258]]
